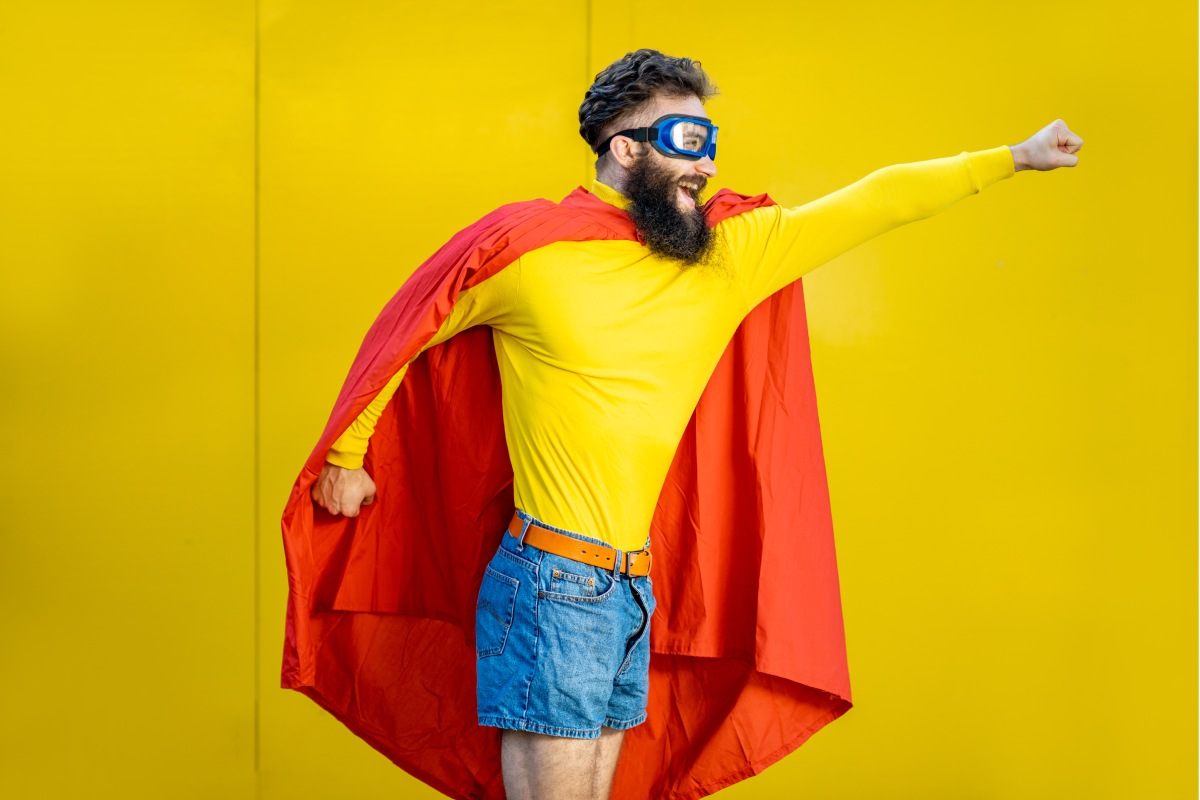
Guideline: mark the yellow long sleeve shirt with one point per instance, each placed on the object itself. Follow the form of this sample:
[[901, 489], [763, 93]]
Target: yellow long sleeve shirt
[[604, 348]]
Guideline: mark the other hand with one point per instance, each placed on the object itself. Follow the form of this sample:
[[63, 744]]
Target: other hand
[[1052, 147], [343, 491]]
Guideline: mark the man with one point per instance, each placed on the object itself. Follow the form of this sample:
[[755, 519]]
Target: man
[[605, 343]]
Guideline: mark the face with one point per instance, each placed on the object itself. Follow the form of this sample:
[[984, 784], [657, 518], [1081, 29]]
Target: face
[[664, 192], [689, 177]]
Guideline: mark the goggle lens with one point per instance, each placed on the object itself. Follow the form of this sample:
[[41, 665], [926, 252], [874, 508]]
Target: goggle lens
[[689, 137]]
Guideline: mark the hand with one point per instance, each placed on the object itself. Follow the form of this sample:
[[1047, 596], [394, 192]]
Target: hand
[[1052, 147], [343, 491]]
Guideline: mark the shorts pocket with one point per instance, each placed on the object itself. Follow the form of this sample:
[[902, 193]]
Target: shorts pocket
[[494, 612], [569, 583], [569, 580]]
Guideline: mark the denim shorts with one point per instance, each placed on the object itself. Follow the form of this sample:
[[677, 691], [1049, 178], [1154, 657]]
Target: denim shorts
[[562, 648]]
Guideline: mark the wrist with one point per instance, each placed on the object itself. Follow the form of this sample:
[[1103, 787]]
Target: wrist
[[1020, 157]]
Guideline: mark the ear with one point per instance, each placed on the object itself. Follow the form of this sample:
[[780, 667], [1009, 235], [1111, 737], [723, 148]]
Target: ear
[[625, 151]]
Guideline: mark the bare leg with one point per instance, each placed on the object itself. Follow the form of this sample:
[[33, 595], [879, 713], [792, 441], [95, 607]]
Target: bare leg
[[539, 767], [608, 752]]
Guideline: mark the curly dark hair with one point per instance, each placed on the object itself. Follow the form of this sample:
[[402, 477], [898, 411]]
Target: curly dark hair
[[625, 85]]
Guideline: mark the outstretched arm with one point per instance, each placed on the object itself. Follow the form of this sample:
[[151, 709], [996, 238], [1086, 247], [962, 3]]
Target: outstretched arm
[[774, 246]]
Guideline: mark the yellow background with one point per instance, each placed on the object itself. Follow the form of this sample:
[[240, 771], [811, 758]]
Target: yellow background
[[203, 205]]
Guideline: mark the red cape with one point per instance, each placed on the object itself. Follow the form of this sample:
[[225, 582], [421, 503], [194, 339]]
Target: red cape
[[748, 652]]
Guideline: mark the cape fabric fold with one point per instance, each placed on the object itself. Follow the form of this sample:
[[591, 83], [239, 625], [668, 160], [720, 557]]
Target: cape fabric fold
[[748, 652]]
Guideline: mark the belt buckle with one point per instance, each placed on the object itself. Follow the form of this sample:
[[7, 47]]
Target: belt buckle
[[627, 562]]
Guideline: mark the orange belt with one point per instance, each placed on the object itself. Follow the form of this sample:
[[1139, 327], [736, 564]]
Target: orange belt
[[636, 563]]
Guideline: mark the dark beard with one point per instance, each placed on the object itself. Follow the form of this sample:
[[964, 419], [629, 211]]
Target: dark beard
[[667, 231]]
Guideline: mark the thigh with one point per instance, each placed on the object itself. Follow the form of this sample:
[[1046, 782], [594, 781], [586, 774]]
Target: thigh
[[551, 635], [584, 618], [540, 767]]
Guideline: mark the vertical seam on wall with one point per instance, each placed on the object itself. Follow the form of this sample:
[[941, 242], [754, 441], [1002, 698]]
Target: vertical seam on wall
[[587, 78], [257, 415]]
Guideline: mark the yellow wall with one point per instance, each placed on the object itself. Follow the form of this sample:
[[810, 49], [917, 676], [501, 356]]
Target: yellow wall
[[1008, 391], [127, 402]]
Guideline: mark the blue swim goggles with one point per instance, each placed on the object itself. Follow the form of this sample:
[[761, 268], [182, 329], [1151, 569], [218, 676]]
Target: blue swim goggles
[[675, 136]]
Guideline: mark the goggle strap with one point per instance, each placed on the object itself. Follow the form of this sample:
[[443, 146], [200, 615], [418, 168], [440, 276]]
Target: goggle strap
[[637, 134], [651, 135]]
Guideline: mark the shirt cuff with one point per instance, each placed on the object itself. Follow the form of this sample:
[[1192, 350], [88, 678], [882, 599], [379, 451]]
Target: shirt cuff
[[989, 166], [344, 460]]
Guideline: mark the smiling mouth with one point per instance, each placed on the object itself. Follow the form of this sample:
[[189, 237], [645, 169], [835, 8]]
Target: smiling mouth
[[689, 194]]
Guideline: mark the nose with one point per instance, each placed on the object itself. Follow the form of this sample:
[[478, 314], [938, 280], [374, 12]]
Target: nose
[[706, 167]]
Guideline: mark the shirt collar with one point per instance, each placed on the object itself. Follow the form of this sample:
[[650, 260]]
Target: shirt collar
[[609, 195]]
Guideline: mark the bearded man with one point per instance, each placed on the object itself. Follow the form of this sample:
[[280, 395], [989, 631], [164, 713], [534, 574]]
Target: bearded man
[[558, 388]]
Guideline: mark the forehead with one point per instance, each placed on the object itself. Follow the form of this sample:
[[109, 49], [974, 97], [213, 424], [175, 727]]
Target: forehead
[[662, 106]]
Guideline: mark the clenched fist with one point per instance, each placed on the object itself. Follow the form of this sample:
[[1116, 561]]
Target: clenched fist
[[343, 491], [1052, 147]]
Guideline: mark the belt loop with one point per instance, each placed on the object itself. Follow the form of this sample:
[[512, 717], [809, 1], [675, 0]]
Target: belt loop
[[527, 520], [617, 565]]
